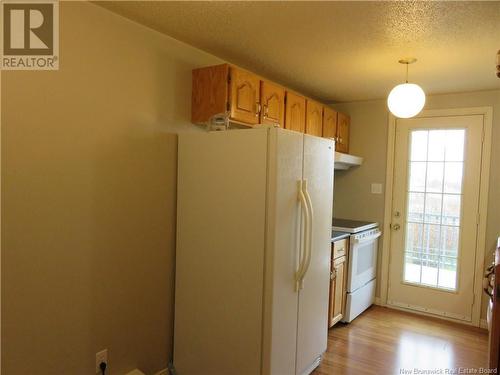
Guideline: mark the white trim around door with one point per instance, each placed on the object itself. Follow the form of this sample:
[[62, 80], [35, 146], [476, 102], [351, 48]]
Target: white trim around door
[[487, 113]]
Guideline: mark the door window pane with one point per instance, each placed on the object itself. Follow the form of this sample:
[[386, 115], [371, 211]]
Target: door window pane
[[448, 273], [435, 172], [431, 241], [429, 270], [414, 238], [413, 252], [449, 241], [415, 207], [413, 268], [417, 176], [437, 141], [433, 213], [453, 177], [451, 209], [419, 146], [433, 208]]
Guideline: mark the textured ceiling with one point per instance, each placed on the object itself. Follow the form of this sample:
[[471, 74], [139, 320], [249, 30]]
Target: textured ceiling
[[339, 51]]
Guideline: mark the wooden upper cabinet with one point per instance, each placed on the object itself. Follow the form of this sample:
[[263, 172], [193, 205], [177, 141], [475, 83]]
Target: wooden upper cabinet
[[314, 118], [329, 123], [343, 125], [272, 99], [226, 89], [295, 112], [244, 94], [210, 92], [248, 100]]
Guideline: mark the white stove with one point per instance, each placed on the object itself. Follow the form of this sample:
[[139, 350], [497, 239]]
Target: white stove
[[362, 264]]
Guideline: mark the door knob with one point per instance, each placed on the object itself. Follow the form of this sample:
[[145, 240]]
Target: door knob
[[396, 227]]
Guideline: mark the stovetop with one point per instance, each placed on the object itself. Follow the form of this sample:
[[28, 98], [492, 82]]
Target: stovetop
[[352, 226]]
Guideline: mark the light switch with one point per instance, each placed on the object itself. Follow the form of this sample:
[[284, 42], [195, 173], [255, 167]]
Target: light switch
[[376, 188]]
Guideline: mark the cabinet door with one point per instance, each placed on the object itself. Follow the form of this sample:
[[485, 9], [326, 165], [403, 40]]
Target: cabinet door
[[343, 124], [331, 300], [295, 112], [314, 118], [273, 104], [329, 122], [244, 96], [337, 290]]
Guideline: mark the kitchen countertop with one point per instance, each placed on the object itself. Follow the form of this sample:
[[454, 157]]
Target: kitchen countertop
[[336, 235]]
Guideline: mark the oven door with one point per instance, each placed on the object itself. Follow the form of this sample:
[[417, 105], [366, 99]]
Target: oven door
[[362, 259]]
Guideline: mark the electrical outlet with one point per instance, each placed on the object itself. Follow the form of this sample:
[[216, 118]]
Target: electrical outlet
[[100, 357]]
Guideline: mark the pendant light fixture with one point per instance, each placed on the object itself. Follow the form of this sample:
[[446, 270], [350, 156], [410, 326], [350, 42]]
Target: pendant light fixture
[[407, 99]]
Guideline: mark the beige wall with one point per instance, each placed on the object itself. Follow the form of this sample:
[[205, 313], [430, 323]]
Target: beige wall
[[88, 192], [353, 198]]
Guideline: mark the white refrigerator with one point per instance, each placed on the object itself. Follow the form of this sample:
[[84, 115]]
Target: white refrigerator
[[254, 216]]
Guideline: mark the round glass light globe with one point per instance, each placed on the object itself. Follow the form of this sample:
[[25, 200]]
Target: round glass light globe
[[406, 100]]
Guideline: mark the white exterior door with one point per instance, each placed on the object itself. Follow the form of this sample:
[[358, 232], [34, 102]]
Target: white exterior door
[[435, 212], [313, 297]]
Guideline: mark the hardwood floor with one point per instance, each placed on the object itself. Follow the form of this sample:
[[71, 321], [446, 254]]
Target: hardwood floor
[[385, 341]]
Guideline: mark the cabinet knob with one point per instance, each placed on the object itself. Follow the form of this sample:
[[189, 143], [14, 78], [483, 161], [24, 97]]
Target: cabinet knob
[[257, 109], [333, 274], [396, 227]]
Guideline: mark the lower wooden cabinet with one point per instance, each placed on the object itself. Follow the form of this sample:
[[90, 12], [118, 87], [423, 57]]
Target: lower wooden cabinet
[[338, 280]]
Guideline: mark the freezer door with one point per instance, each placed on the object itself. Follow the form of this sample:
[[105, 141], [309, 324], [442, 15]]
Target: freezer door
[[283, 246], [313, 298], [221, 215]]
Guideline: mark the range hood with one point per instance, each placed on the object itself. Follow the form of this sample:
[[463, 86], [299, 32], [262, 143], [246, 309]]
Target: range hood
[[346, 161]]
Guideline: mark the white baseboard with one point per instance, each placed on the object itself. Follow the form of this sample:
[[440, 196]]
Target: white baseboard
[[483, 323]]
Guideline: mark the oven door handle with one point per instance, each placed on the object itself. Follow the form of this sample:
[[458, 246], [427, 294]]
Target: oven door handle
[[367, 239]]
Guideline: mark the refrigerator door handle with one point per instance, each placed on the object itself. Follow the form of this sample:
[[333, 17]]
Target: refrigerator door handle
[[309, 231], [305, 240]]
